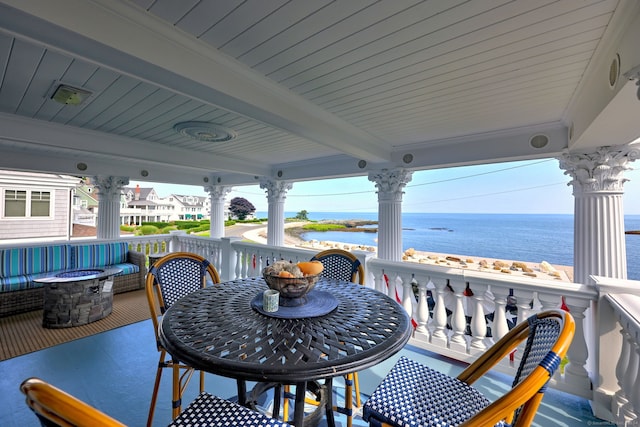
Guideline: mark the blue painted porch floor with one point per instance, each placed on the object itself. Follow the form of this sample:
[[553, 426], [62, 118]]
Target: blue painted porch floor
[[114, 371]]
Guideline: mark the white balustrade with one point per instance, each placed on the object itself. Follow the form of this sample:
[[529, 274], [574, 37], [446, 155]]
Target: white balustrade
[[618, 334], [463, 301]]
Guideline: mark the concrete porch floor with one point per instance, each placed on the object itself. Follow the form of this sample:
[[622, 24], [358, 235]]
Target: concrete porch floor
[[114, 371]]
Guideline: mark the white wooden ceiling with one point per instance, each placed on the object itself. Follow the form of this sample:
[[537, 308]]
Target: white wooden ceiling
[[311, 88]]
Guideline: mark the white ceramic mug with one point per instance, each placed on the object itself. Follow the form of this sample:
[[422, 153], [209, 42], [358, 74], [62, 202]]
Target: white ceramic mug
[[270, 300]]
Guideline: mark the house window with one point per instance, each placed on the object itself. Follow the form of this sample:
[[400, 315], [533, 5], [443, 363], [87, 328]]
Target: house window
[[23, 203], [40, 202], [15, 203]]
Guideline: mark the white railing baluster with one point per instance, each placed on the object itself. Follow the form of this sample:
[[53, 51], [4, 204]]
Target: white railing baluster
[[620, 397], [478, 321], [575, 371], [439, 335], [422, 314], [628, 415], [500, 327], [408, 298], [458, 320]]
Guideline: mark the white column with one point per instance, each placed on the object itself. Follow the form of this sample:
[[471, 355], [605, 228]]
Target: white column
[[390, 184], [599, 241], [217, 194], [276, 195], [599, 249], [109, 193]]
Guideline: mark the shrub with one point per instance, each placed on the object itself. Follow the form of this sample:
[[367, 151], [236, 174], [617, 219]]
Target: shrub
[[146, 230], [203, 227], [250, 221], [167, 229], [159, 224], [185, 225], [323, 227]]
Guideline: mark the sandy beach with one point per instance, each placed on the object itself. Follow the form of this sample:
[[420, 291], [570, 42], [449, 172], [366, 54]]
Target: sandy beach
[[537, 268]]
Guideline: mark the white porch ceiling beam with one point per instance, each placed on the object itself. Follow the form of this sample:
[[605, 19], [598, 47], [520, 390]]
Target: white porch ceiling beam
[[29, 134], [494, 147]]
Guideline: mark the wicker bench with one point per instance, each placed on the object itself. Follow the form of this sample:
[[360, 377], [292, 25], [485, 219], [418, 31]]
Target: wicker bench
[[19, 266]]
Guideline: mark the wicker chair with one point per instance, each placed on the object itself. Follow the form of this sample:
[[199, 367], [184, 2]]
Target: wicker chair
[[429, 398], [170, 278], [54, 407], [343, 265], [340, 265]]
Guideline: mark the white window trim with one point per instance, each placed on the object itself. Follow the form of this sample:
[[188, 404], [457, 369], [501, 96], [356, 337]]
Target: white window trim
[[52, 195]]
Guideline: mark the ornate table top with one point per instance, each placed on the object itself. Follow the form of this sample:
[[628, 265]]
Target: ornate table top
[[216, 330]]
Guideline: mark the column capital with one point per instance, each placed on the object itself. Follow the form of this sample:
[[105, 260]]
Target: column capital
[[276, 189], [218, 192], [110, 186], [390, 183], [599, 171]]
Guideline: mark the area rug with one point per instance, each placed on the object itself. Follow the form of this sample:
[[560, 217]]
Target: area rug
[[23, 333]]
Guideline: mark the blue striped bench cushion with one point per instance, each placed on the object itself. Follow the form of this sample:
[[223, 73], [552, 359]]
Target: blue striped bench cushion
[[34, 260], [19, 267], [126, 268], [19, 283], [100, 255], [15, 283]]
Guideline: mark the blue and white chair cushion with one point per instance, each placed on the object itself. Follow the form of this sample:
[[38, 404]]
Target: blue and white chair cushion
[[208, 410], [415, 395]]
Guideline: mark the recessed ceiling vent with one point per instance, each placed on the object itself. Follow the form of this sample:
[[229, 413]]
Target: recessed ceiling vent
[[69, 95], [204, 131]]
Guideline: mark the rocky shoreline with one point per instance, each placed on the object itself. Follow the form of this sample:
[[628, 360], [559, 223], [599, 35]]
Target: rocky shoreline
[[541, 270]]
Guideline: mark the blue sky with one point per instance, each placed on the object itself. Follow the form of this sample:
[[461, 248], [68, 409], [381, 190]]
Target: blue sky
[[537, 186]]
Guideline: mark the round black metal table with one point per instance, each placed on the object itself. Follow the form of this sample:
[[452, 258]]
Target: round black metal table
[[217, 330]]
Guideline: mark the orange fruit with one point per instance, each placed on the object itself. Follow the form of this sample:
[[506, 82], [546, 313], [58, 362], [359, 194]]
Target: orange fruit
[[284, 273], [310, 267]]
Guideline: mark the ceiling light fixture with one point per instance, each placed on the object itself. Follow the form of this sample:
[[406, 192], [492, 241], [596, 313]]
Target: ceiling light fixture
[[634, 74], [69, 95], [205, 131]]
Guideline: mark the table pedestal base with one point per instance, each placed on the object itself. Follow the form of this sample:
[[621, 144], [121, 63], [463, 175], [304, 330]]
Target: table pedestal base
[[314, 388]]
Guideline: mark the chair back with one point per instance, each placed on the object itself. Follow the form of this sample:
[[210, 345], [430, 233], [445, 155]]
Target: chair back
[[340, 265], [55, 408], [548, 336], [174, 276]]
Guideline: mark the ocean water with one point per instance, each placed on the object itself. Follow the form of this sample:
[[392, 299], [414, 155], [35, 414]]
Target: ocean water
[[521, 237]]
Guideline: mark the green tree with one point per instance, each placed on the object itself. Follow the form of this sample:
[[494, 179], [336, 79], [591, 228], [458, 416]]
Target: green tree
[[302, 215], [241, 207]]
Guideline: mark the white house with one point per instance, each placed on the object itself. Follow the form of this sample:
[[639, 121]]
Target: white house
[[189, 207], [144, 205]]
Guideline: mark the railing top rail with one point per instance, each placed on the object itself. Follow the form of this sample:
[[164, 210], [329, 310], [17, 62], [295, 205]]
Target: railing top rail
[[274, 249], [627, 308], [477, 277], [610, 285], [550, 286], [186, 237]]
